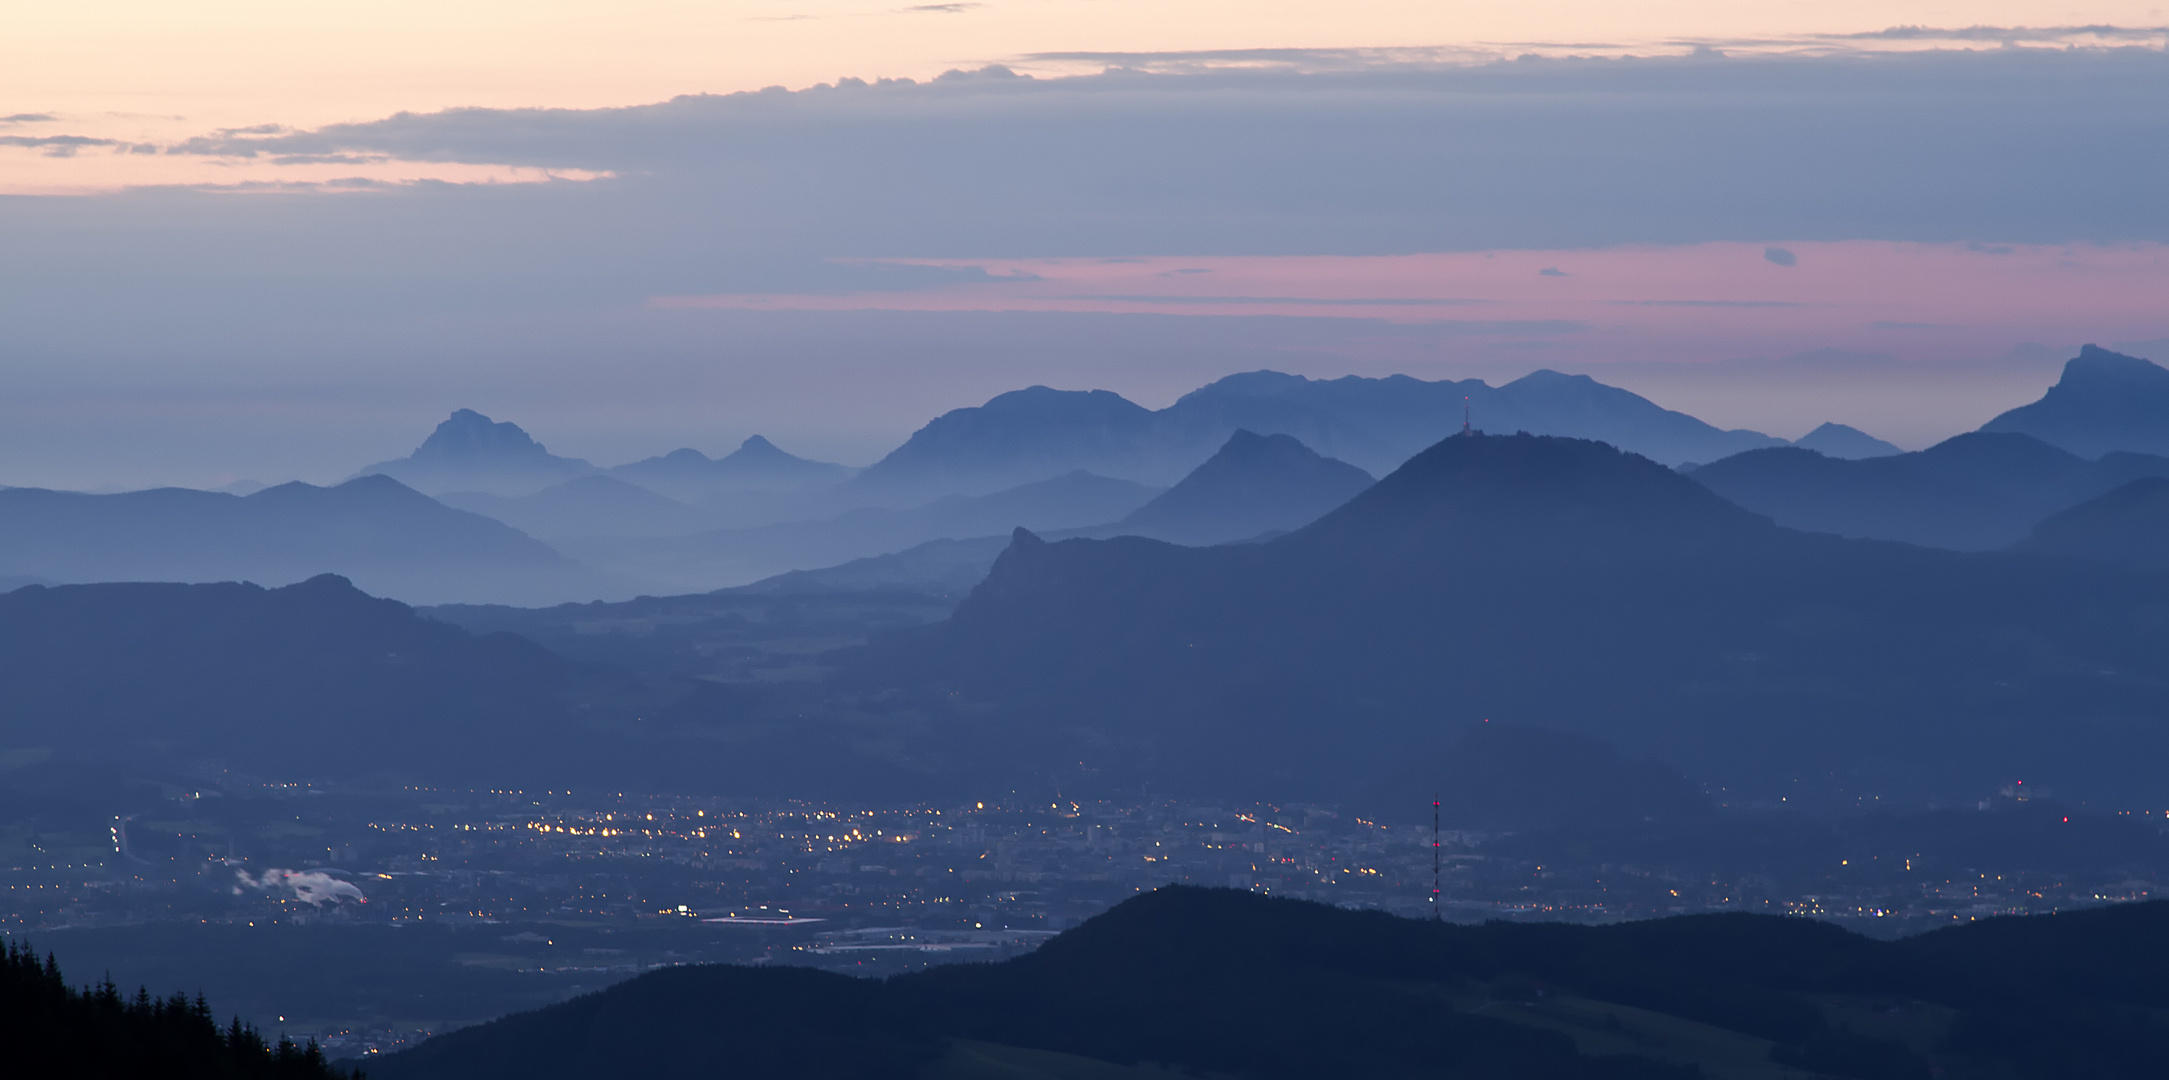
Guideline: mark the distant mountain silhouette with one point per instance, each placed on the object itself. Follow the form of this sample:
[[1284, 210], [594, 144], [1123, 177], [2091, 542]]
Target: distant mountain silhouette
[[757, 465], [1564, 584], [389, 537], [2129, 525], [1376, 424], [729, 557], [1379, 423], [313, 679], [1840, 441], [1974, 492], [470, 452], [2105, 402], [937, 568], [592, 505], [1184, 981], [1255, 484], [1015, 438]]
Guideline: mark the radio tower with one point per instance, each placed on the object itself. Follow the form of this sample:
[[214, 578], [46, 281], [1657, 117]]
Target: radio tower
[[1435, 917], [1464, 414]]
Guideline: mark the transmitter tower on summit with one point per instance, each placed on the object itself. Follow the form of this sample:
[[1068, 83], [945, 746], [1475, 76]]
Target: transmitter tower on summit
[[1436, 916]]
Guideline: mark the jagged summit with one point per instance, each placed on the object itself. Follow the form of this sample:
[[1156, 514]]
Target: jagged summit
[[471, 452], [467, 434], [2104, 402]]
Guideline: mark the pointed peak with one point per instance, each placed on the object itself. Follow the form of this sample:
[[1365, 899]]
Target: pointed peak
[[1025, 538], [758, 443]]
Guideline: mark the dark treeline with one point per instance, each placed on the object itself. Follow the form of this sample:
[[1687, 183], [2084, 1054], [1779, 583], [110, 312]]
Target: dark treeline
[[57, 1032]]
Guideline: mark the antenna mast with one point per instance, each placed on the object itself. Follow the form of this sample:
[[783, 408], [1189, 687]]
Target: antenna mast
[[1434, 858], [1464, 414]]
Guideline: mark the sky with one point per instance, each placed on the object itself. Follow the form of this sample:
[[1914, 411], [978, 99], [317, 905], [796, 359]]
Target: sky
[[273, 241]]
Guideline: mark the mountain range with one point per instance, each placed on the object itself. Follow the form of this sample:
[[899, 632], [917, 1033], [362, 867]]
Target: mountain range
[[388, 537], [757, 465], [1184, 981], [1975, 492], [312, 679], [1565, 584], [738, 556], [1374, 424], [596, 504]]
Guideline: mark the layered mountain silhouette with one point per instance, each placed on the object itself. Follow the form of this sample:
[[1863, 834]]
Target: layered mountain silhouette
[[374, 529], [2105, 402], [591, 505], [1377, 424], [471, 452], [1255, 484], [1184, 981], [312, 679], [1374, 424], [939, 568], [2129, 526], [728, 557], [1015, 438], [1841, 441], [756, 466], [1565, 584], [1974, 492]]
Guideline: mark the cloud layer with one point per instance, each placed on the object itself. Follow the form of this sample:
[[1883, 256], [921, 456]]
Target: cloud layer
[[270, 309]]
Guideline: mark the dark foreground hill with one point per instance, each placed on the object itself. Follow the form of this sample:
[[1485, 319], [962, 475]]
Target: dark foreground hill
[[391, 538], [54, 1031], [311, 680], [1975, 492], [1187, 981], [1563, 584]]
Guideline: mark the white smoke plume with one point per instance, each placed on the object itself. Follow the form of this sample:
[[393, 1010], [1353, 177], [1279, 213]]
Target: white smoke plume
[[312, 887]]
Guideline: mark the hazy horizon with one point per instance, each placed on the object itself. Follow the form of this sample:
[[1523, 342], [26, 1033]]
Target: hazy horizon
[[241, 247]]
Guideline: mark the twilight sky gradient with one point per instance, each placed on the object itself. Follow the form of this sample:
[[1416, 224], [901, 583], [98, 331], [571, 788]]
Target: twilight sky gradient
[[274, 240]]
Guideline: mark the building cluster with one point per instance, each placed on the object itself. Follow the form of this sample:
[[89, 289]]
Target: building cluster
[[873, 886]]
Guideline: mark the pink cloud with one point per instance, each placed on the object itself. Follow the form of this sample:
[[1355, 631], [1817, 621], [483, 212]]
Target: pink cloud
[[1692, 302]]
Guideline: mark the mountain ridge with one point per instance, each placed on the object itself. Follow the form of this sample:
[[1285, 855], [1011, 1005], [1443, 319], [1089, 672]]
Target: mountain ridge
[[391, 537], [1979, 491], [1565, 584], [2105, 401]]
